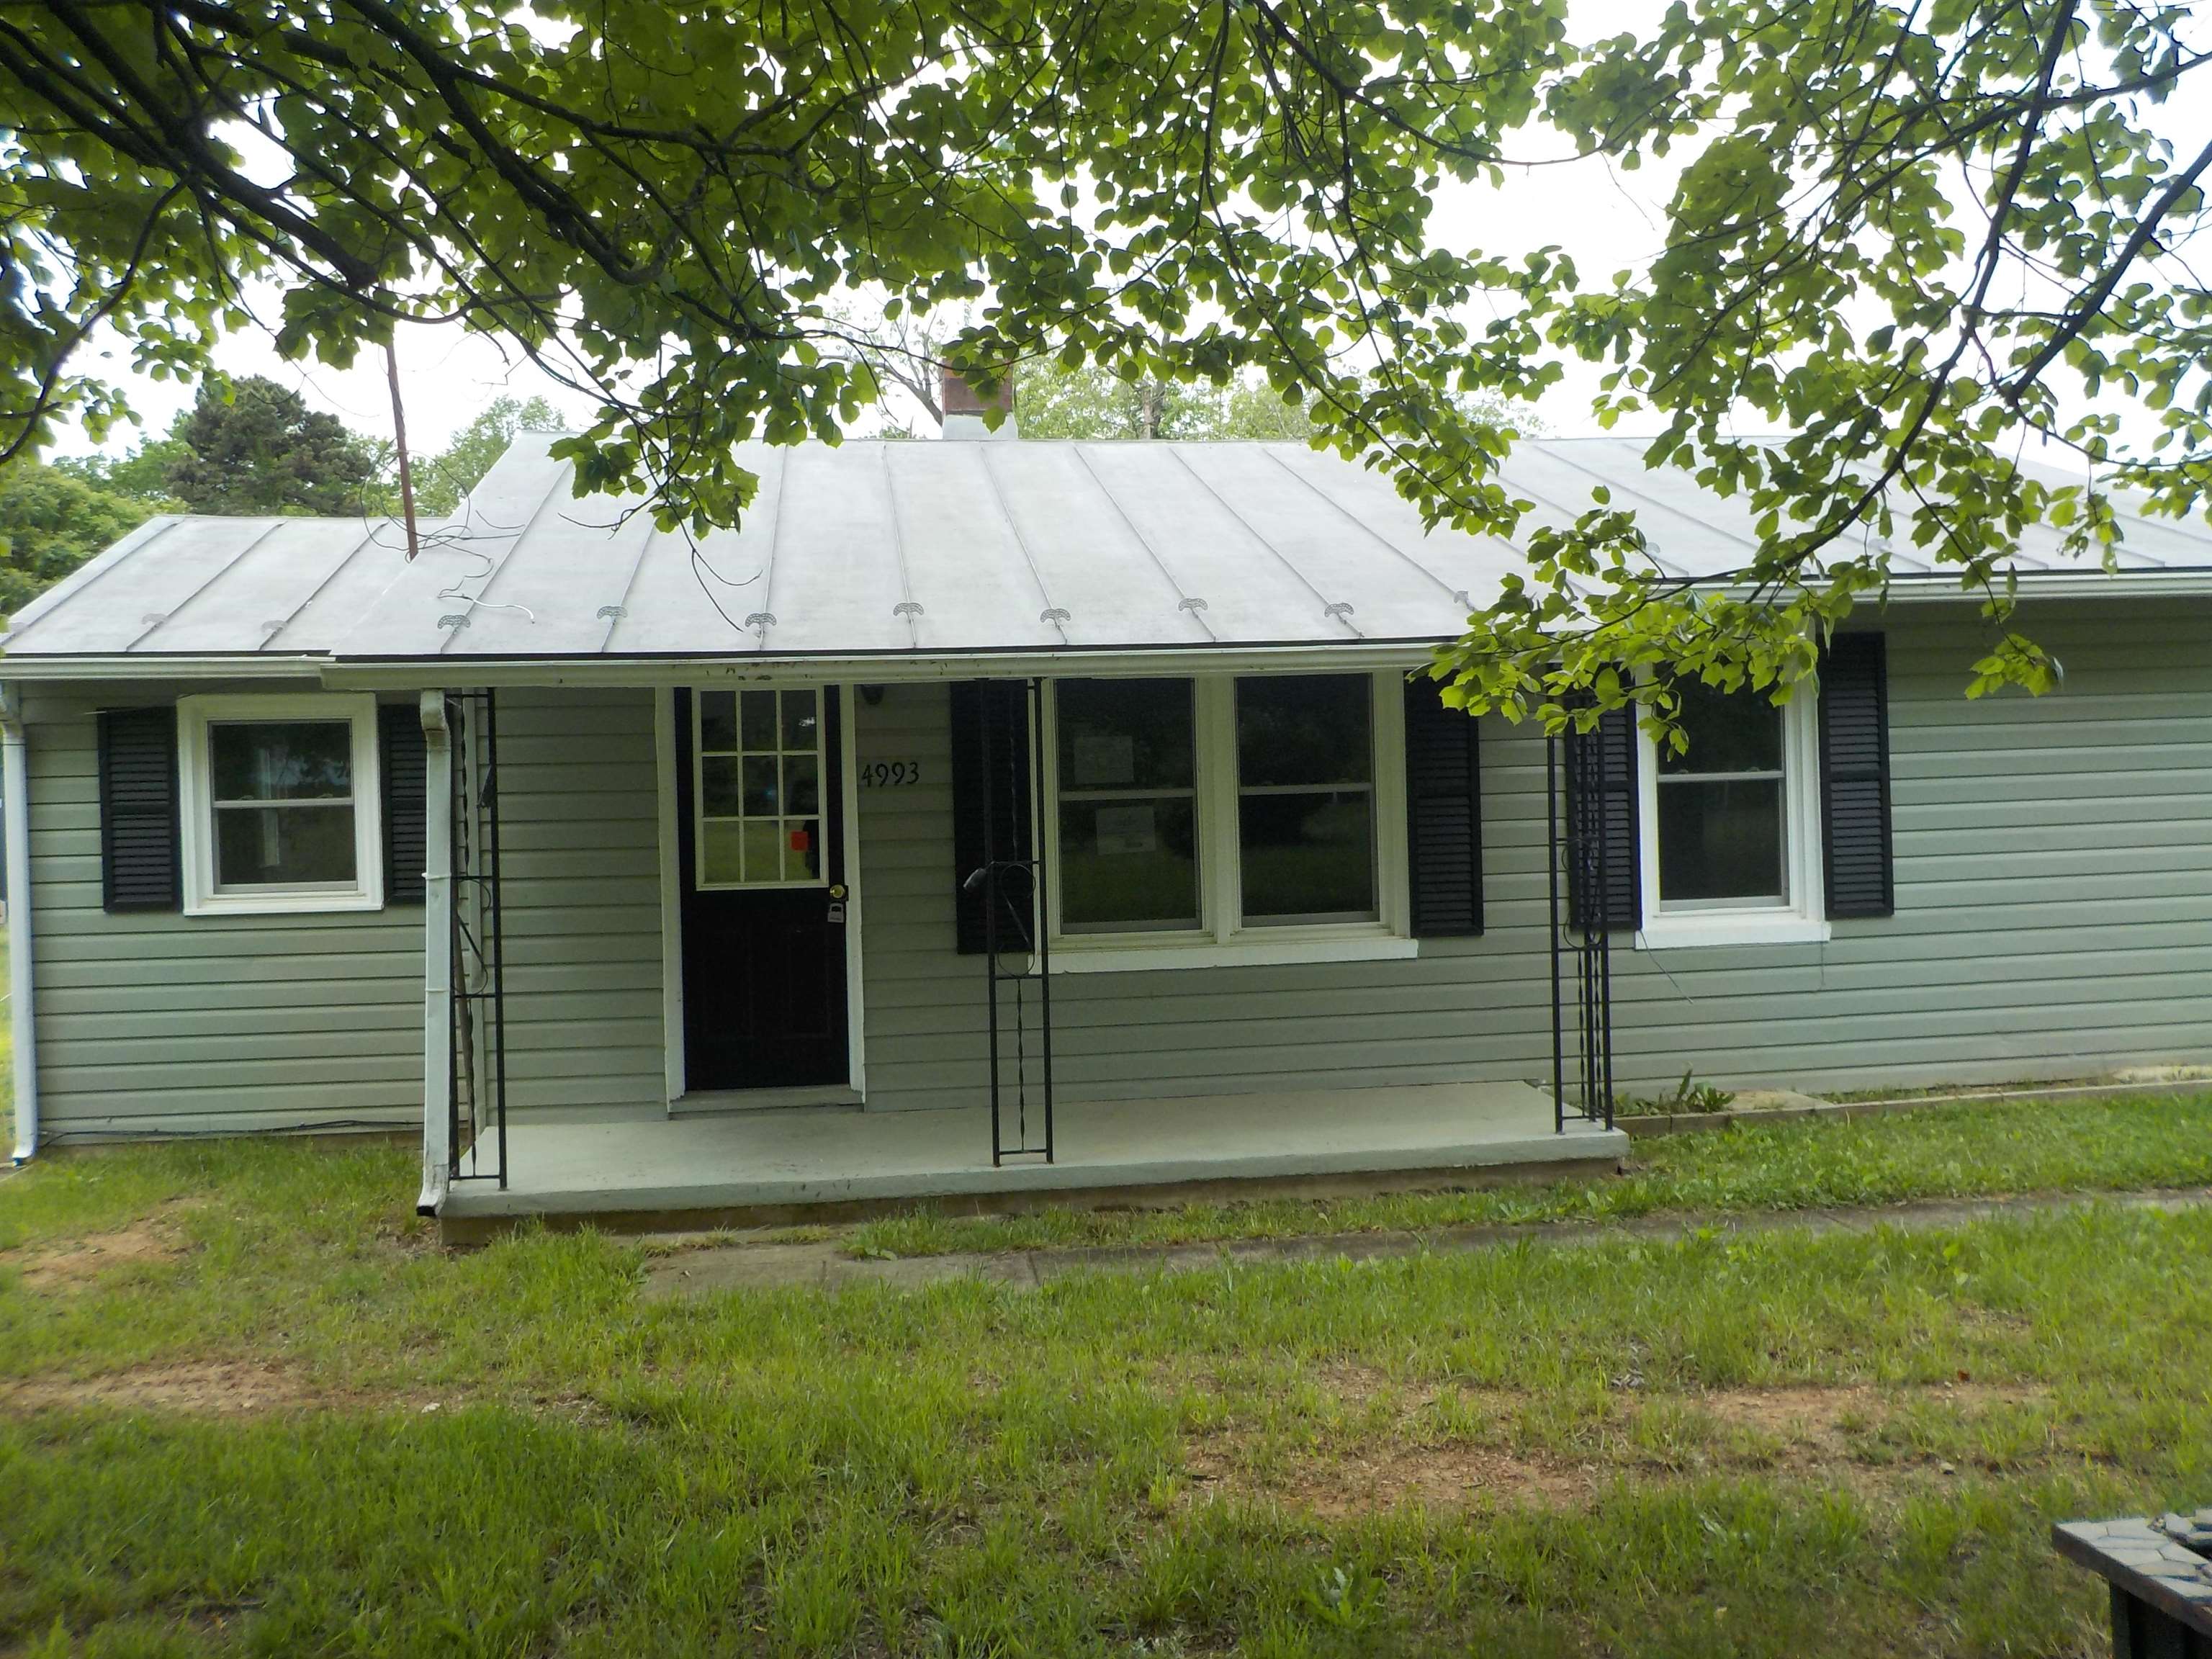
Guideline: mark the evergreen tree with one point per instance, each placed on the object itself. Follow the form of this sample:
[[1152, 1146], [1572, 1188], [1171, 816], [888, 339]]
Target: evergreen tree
[[252, 446]]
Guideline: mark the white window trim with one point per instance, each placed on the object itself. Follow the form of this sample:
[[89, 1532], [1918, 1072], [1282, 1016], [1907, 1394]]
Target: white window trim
[[195, 795], [1222, 939], [1801, 918]]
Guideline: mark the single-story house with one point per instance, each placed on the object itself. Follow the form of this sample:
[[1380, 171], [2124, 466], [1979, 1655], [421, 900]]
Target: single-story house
[[996, 817]]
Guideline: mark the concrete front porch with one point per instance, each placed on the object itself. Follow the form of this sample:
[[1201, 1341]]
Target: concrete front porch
[[631, 1168]]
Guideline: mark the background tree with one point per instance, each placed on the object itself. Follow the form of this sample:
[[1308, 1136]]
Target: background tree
[[1908, 237], [142, 475], [446, 476], [52, 520], [251, 445]]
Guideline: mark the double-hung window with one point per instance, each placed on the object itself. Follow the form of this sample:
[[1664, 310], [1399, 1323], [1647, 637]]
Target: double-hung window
[[1305, 799], [278, 797], [1128, 806], [1225, 819], [1731, 828]]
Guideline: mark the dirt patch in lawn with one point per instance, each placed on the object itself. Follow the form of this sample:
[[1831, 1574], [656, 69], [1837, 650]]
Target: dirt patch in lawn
[[1814, 1432], [217, 1388], [1364, 1480], [247, 1387], [154, 1239]]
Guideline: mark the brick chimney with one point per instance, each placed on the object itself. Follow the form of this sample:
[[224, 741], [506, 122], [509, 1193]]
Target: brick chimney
[[964, 407]]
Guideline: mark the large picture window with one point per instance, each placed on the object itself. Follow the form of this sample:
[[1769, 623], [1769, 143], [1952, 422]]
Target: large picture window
[[279, 803], [758, 788], [1221, 818]]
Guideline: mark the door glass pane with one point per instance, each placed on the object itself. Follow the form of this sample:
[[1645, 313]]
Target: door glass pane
[[760, 790], [1304, 729], [760, 720], [282, 846], [763, 844], [1721, 841], [1127, 862], [281, 760], [721, 863], [718, 722], [802, 850], [1308, 857], [1727, 731], [802, 784], [718, 785], [800, 722]]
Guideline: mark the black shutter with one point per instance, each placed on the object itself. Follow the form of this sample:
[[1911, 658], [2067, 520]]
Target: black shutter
[[1443, 813], [404, 785], [990, 807], [1854, 777], [139, 843], [1613, 896]]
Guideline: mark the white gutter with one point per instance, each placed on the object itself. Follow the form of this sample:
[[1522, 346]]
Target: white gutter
[[33, 665], [15, 823], [892, 668], [437, 954]]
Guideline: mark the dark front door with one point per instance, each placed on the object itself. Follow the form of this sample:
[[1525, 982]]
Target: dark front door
[[758, 836]]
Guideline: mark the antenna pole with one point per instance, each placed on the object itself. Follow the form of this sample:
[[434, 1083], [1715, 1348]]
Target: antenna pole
[[399, 436]]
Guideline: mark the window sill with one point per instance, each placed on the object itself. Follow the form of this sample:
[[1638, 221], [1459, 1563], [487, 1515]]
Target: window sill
[[1246, 951], [284, 904], [1718, 928]]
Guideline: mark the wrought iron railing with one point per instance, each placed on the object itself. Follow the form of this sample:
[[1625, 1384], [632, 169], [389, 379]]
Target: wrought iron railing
[[1017, 942], [1581, 948], [477, 1004]]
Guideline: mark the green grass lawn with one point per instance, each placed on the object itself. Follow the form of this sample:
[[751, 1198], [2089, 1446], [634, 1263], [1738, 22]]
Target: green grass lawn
[[246, 1407], [1941, 1152]]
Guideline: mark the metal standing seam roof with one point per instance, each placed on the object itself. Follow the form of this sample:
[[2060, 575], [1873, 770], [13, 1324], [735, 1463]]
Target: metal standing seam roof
[[874, 549]]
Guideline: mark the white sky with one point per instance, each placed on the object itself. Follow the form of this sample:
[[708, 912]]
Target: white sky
[[1605, 220]]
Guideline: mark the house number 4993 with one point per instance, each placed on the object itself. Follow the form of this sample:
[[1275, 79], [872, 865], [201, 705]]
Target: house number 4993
[[891, 774]]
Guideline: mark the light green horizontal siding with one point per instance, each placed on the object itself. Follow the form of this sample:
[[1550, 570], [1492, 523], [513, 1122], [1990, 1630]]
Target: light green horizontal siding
[[2054, 869], [580, 831], [157, 1021], [2054, 874], [164, 1022]]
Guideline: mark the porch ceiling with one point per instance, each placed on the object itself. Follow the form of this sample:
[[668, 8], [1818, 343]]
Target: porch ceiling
[[617, 1162]]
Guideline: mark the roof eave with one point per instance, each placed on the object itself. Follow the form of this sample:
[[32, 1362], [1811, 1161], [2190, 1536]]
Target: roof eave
[[151, 665]]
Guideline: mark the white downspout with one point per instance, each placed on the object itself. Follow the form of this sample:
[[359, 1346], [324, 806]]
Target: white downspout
[[16, 824], [437, 954]]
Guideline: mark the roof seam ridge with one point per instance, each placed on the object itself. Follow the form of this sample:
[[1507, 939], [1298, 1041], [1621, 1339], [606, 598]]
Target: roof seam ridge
[[164, 618], [1456, 594], [482, 595], [1187, 602], [1052, 612], [317, 592], [93, 574], [1336, 609]]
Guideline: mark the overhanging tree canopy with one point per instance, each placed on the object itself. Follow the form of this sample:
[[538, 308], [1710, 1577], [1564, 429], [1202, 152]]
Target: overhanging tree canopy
[[1905, 235]]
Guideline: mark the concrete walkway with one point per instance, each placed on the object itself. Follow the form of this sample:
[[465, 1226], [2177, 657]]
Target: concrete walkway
[[703, 1270]]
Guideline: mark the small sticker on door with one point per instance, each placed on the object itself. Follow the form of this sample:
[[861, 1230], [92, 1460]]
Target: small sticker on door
[[800, 841]]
